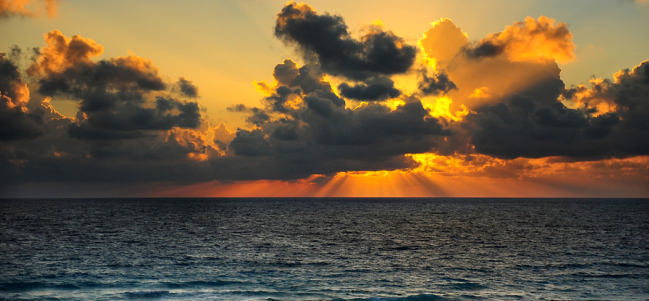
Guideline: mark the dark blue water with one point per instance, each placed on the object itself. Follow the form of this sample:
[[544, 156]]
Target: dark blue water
[[324, 249]]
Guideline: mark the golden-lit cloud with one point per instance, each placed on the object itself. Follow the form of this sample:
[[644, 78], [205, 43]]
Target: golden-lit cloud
[[62, 53], [443, 41], [503, 63], [28, 8], [532, 39]]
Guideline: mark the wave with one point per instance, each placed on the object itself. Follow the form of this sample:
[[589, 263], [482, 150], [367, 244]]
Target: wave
[[147, 294], [422, 297], [194, 284], [28, 286], [167, 295]]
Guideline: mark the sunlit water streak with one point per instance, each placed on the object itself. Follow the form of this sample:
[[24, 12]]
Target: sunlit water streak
[[324, 249]]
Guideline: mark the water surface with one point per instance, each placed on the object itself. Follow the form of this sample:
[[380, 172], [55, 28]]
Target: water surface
[[324, 249]]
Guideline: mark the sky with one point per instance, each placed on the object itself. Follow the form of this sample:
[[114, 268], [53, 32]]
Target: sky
[[324, 98]]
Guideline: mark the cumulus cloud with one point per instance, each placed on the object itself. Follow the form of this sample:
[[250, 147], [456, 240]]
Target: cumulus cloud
[[16, 120], [306, 129], [380, 88], [28, 8], [129, 126], [533, 123], [187, 88], [518, 104], [325, 39], [528, 40], [487, 79], [436, 84], [115, 95], [443, 41]]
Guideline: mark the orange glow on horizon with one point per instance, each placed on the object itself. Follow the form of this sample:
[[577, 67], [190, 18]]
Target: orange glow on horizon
[[451, 176]]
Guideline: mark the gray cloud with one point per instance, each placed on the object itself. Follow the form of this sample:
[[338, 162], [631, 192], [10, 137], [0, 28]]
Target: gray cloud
[[187, 88], [376, 88], [534, 124], [16, 120], [325, 39], [435, 85], [114, 98]]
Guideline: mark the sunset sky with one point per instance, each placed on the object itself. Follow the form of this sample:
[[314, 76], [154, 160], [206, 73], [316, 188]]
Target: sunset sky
[[256, 98]]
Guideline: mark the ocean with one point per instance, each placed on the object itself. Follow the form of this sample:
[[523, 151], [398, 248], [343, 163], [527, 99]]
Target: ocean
[[324, 249]]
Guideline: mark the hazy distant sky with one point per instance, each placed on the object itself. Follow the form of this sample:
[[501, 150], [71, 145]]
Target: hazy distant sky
[[178, 98]]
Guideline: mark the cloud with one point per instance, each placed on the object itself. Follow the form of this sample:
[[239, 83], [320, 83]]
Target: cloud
[[325, 39], [435, 85], [487, 109], [518, 105], [534, 123], [443, 41], [485, 80], [306, 79], [28, 8], [528, 40], [115, 95], [373, 89], [16, 120], [303, 130], [129, 127], [187, 88]]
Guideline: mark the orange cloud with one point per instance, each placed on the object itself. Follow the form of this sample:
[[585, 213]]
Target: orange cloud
[[28, 8], [62, 53], [532, 39], [483, 77], [600, 97], [443, 41]]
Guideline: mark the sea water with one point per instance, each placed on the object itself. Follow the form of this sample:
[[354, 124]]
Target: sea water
[[324, 249]]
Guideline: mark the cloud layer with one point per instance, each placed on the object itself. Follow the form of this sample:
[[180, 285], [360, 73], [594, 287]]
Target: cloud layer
[[487, 108]]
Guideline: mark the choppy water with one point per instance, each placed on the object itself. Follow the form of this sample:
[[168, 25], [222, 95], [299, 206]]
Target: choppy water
[[324, 249]]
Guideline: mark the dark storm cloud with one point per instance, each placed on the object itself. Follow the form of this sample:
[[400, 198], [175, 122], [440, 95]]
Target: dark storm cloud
[[280, 97], [86, 77], [484, 48], [251, 144], [325, 39], [143, 160], [125, 119], [128, 127], [305, 128], [328, 139], [187, 88], [308, 78], [435, 85], [321, 137], [16, 120], [534, 124], [114, 94], [373, 89]]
